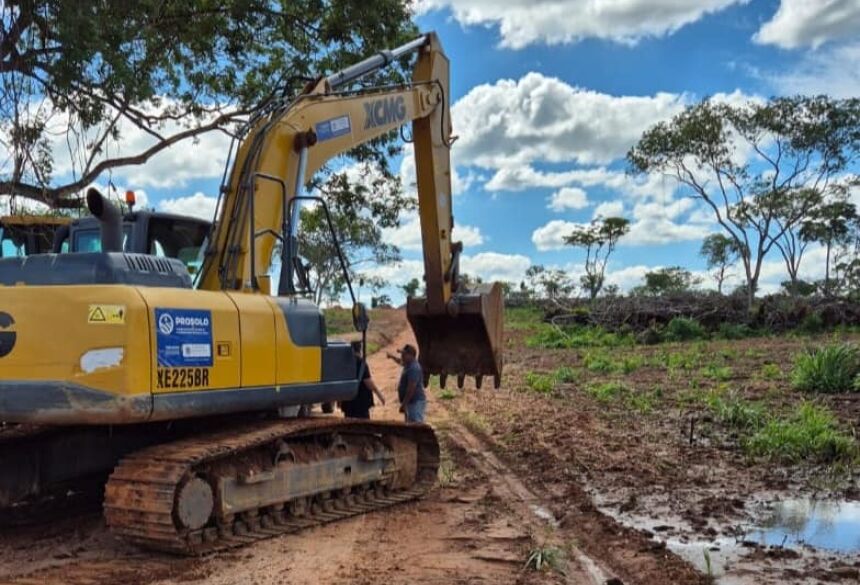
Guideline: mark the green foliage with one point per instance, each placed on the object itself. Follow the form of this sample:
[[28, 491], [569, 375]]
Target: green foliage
[[338, 321], [540, 383], [447, 394], [813, 323], [684, 329], [715, 372], [810, 433], [734, 331], [411, 288], [175, 69], [523, 318], [827, 369], [665, 281], [546, 558], [565, 375], [599, 362], [771, 372], [599, 240], [553, 337], [734, 411], [607, 391]]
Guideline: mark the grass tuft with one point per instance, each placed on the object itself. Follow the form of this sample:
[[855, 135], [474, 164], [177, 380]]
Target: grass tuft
[[546, 558], [828, 369], [540, 383], [810, 433]]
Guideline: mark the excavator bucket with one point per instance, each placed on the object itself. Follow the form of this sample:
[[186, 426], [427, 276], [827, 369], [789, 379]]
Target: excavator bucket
[[467, 341]]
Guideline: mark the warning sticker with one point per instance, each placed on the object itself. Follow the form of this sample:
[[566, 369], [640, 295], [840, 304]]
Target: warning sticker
[[183, 337], [106, 314]]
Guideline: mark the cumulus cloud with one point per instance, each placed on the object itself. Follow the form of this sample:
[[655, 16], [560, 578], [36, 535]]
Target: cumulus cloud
[[197, 205], [522, 177], [831, 70], [800, 23], [568, 198], [609, 209], [525, 22], [543, 118], [551, 236], [493, 266], [408, 235]]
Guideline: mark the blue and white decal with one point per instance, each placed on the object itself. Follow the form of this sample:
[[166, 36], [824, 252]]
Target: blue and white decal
[[183, 337], [328, 129]]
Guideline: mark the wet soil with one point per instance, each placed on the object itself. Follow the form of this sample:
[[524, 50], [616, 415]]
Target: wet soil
[[663, 465]]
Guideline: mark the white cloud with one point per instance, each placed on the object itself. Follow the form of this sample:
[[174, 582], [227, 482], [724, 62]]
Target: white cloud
[[831, 70], [489, 266], [408, 235], [524, 22], [459, 183], [522, 177], [551, 236], [493, 266], [799, 23], [609, 209], [197, 205], [543, 118], [568, 198], [654, 231]]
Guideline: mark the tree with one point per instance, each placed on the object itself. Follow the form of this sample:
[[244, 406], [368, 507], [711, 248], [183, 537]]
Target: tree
[[830, 225], [746, 161], [361, 203], [599, 239], [791, 244], [665, 281], [534, 273], [82, 74], [410, 289], [719, 252], [556, 284]]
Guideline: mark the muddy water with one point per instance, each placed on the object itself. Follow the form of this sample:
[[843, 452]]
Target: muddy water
[[825, 524]]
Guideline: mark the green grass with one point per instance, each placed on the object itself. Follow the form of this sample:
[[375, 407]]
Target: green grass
[[523, 318], [735, 331], [715, 372], [733, 411], [546, 558], [553, 337], [770, 372], [607, 391], [810, 433], [447, 394], [565, 375], [540, 383], [338, 321], [827, 369]]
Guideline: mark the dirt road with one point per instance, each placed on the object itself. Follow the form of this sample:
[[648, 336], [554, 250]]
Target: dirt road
[[478, 526]]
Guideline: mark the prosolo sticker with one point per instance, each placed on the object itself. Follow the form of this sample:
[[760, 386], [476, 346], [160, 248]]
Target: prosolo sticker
[[183, 337]]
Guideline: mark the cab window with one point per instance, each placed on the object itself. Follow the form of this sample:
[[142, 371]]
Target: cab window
[[178, 238]]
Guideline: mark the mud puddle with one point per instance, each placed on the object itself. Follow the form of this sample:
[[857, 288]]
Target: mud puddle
[[765, 541], [826, 524]]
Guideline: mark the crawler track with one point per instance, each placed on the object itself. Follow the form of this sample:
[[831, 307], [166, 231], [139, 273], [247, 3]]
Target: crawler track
[[142, 495]]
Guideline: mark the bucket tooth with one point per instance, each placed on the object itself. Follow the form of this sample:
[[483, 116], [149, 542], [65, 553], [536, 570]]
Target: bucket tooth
[[461, 380], [479, 379], [443, 379]]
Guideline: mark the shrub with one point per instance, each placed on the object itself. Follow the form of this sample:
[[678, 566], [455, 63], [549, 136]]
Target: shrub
[[828, 369], [811, 433], [684, 329], [812, 323], [734, 331]]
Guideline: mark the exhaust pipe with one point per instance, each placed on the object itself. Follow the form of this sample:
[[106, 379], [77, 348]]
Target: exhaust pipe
[[109, 217]]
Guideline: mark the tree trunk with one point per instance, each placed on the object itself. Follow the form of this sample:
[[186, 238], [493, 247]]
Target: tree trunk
[[827, 271]]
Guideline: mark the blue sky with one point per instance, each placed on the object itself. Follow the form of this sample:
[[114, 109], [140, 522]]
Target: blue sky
[[549, 94]]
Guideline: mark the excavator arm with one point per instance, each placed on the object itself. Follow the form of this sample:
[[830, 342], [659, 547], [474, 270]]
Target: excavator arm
[[458, 331]]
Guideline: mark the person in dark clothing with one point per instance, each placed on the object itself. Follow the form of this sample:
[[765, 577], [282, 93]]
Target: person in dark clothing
[[359, 407]]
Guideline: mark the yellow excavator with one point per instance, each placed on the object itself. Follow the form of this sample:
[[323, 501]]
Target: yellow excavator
[[190, 392]]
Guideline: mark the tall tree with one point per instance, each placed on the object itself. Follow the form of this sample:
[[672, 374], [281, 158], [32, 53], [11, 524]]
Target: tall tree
[[76, 77], [791, 210], [744, 161], [719, 252], [598, 239], [411, 288], [831, 225], [361, 202]]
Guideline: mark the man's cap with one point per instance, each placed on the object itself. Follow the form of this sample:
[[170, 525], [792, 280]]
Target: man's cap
[[408, 348]]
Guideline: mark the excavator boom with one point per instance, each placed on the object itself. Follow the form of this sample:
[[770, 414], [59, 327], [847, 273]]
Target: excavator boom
[[458, 331]]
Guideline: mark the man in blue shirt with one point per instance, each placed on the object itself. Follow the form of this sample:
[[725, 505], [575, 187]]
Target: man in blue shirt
[[410, 389]]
